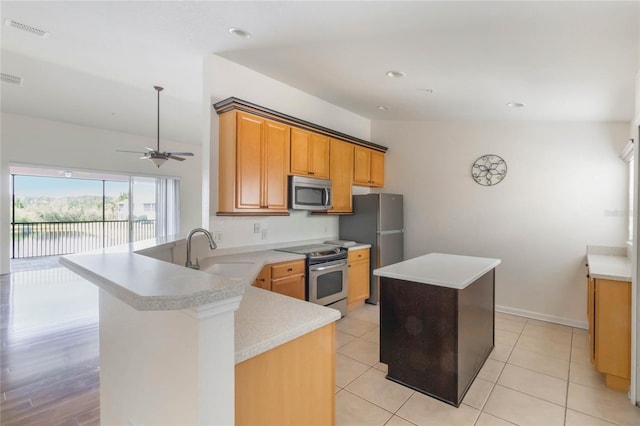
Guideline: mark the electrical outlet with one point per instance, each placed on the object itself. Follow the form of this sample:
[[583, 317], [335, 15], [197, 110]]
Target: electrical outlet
[[264, 234], [256, 228], [217, 237]]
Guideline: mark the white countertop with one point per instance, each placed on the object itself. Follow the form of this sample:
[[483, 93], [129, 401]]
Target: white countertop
[[445, 270], [266, 320], [263, 321], [609, 263]]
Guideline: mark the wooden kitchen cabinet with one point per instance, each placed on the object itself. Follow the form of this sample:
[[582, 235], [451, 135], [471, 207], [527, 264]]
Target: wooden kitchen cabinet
[[286, 278], [263, 280], [291, 384], [368, 167], [309, 154], [358, 287], [341, 174], [253, 165], [609, 315]]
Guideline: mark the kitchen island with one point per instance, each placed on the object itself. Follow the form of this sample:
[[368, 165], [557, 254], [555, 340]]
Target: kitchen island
[[437, 322], [182, 346]]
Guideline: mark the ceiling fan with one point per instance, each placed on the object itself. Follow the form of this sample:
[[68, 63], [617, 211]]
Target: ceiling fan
[[155, 155]]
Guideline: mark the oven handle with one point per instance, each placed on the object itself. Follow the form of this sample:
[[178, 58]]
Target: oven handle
[[328, 265]]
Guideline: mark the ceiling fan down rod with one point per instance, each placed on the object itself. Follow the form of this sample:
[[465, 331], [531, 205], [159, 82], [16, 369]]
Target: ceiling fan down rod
[[158, 89]]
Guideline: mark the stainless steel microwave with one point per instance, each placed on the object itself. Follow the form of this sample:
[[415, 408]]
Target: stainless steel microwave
[[309, 193]]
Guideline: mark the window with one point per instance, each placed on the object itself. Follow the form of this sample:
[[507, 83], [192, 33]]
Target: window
[[60, 212]]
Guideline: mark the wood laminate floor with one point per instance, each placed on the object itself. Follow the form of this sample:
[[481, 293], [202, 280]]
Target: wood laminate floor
[[49, 359]]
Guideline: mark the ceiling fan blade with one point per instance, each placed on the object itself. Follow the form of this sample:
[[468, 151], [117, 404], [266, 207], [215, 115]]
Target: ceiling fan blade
[[173, 157], [149, 149], [135, 152], [144, 157], [186, 154]]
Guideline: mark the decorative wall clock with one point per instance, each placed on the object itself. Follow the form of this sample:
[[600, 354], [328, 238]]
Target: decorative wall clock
[[489, 170]]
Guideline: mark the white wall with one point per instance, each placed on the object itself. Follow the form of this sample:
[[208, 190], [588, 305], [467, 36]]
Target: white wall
[[29, 140], [224, 79], [565, 188]]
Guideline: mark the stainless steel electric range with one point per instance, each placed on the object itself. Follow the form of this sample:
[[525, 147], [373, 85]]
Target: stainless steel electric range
[[326, 274]]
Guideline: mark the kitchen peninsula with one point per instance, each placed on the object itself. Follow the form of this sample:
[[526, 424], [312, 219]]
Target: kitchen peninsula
[[175, 342], [437, 322]]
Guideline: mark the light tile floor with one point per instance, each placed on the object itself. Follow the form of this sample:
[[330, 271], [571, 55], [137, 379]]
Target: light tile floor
[[539, 374]]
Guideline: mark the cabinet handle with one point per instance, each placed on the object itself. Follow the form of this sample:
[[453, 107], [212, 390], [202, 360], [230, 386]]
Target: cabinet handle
[[290, 270], [349, 266], [311, 173]]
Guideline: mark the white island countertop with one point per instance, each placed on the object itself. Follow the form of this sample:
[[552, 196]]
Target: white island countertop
[[445, 270]]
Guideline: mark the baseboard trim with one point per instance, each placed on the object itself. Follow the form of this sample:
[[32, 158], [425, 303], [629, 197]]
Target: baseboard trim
[[542, 317]]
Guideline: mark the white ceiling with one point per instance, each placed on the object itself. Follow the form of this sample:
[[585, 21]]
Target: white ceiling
[[567, 61]]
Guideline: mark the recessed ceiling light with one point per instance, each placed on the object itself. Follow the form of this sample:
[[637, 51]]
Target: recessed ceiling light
[[240, 33], [515, 105], [426, 91], [395, 74], [383, 108]]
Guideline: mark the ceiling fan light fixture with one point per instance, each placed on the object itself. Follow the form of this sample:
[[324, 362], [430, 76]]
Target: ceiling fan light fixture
[[157, 160]]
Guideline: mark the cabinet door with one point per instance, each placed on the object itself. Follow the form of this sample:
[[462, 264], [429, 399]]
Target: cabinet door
[[358, 275], [263, 280], [276, 165], [319, 156], [249, 157], [300, 142], [613, 327], [341, 173], [290, 286], [377, 168], [361, 165]]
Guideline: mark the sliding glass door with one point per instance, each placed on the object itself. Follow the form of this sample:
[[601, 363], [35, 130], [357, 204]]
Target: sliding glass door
[[57, 213]]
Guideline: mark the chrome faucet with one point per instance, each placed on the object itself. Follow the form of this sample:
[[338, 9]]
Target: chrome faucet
[[212, 246]]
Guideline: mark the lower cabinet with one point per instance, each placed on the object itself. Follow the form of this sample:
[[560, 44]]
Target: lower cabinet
[[358, 290], [286, 278], [609, 314], [292, 384]]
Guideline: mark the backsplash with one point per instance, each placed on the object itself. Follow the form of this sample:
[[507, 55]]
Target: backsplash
[[265, 230]]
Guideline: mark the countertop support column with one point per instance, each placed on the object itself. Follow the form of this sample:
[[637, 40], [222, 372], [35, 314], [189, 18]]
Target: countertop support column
[[166, 367]]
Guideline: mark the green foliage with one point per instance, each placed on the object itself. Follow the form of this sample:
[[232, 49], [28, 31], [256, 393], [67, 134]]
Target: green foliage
[[66, 209]]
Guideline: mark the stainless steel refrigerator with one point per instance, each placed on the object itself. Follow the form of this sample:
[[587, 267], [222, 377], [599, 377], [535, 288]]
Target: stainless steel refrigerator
[[377, 219]]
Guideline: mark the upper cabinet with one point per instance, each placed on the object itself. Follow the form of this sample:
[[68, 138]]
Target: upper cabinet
[[258, 148], [309, 154], [341, 174], [253, 165], [368, 167]]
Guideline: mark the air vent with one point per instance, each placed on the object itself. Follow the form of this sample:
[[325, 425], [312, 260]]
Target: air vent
[[27, 28], [11, 79]]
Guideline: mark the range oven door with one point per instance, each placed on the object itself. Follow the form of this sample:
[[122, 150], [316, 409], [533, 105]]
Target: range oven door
[[328, 282]]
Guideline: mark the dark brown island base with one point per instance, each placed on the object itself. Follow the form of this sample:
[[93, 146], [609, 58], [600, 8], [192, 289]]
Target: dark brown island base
[[437, 322]]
